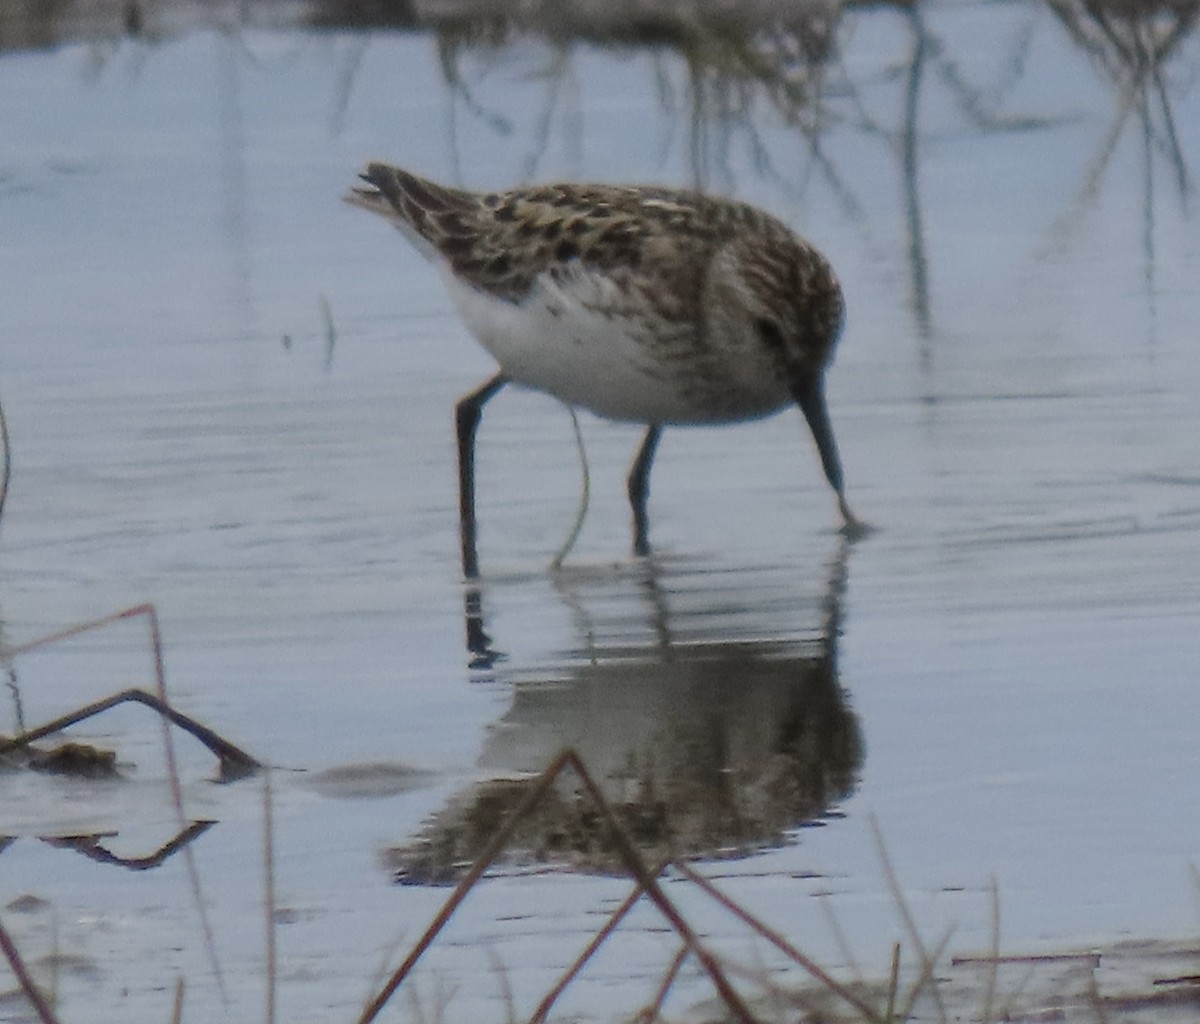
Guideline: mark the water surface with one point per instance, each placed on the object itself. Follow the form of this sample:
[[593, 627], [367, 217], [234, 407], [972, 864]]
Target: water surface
[[231, 395]]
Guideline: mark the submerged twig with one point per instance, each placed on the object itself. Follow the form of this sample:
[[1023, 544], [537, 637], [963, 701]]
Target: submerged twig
[[235, 762], [89, 847]]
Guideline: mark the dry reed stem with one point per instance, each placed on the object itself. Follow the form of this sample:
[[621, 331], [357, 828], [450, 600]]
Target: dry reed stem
[[177, 1005], [219, 746], [632, 859], [1093, 959], [839, 938], [637, 866], [482, 862], [235, 762], [650, 1014], [506, 992], [777, 940], [910, 924], [1095, 999], [993, 974], [6, 457], [928, 963], [89, 847], [893, 984], [269, 894], [614, 919], [32, 992]]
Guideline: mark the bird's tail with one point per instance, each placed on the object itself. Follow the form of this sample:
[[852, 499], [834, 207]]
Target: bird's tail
[[410, 202]]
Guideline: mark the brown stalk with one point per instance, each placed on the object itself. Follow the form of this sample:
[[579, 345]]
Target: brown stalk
[[994, 966], [234, 761], [615, 918], [637, 867], [910, 924], [177, 1005], [650, 1014], [777, 940], [929, 964], [893, 985], [482, 862]]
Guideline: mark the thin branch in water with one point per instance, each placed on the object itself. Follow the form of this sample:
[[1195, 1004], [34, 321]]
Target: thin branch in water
[[839, 938], [234, 761], [6, 455], [1174, 151], [269, 894], [893, 984], [177, 1005], [780, 943], [498, 842], [330, 331], [651, 1013], [346, 77], [910, 924], [231, 757], [89, 847], [617, 916], [506, 992], [14, 690], [584, 495], [36, 999], [925, 980], [632, 860], [993, 975]]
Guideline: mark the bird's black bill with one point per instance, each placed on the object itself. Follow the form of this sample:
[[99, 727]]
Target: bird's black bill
[[810, 395]]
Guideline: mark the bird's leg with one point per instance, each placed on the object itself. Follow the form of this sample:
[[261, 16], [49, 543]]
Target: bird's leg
[[639, 488], [466, 418]]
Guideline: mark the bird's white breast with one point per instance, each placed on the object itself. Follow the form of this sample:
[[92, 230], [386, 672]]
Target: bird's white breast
[[581, 340]]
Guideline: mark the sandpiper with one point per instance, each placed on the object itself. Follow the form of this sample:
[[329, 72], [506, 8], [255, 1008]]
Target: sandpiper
[[643, 304]]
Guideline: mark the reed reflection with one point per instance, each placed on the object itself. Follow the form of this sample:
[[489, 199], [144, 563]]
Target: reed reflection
[[1131, 43], [709, 740]]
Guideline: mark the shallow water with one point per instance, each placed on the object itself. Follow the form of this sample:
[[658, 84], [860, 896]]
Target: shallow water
[[231, 395]]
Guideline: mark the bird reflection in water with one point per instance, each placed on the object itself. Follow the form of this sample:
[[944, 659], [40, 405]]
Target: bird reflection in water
[[707, 738]]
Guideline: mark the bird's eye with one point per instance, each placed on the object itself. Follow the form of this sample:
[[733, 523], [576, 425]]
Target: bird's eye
[[770, 333]]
